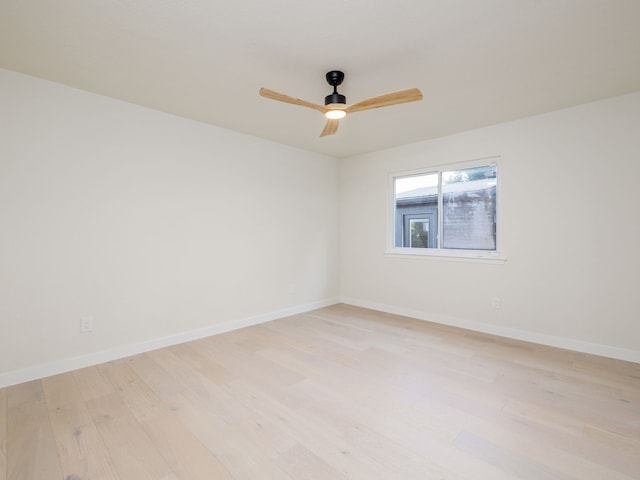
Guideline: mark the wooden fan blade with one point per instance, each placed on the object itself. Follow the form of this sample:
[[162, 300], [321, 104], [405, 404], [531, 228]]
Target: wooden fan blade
[[330, 127], [281, 97], [403, 96]]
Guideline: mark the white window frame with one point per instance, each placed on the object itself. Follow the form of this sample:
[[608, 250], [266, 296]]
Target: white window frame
[[485, 256]]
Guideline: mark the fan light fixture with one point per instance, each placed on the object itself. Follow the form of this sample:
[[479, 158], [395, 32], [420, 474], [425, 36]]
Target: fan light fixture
[[335, 105], [335, 114]]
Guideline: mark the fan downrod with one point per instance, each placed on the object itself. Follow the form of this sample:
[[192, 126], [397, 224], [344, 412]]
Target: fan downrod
[[335, 78]]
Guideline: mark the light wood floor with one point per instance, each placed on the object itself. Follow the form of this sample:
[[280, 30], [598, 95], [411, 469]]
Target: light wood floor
[[339, 393]]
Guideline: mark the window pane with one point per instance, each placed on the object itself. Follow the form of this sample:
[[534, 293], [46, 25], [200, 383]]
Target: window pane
[[419, 232], [416, 214], [469, 208]]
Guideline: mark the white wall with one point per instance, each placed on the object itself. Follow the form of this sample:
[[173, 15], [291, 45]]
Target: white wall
[[571, 228], [158, 227]]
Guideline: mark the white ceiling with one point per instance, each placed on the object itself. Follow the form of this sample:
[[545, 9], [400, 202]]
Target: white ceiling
[[477, 62]]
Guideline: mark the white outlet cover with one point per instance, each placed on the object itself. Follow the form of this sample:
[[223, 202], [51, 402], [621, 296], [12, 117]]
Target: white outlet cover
[[86, 324]]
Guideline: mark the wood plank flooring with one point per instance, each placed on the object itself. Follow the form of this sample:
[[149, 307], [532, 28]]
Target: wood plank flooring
[[338, 393]]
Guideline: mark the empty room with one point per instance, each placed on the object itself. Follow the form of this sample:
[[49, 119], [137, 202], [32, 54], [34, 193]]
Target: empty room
[[338, 240]]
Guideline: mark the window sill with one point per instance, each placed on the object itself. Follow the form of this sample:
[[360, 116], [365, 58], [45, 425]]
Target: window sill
[[447, 255]]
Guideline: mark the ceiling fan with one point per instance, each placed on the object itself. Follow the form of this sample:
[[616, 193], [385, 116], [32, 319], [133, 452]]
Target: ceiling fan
[[335, 105]]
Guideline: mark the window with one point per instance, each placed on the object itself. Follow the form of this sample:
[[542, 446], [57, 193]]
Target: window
[[446, 211]]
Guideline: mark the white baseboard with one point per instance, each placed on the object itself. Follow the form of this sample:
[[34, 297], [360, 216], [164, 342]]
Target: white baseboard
[[74, 363], [502, 331]]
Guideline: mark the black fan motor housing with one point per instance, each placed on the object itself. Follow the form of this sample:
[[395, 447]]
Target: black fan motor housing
[[335, 78], [335, 97]]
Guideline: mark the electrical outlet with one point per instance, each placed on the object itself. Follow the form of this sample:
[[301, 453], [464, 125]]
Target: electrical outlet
[[497, 302], [86, 324]]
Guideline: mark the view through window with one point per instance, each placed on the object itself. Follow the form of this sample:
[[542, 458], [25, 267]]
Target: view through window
[[451, 208]]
